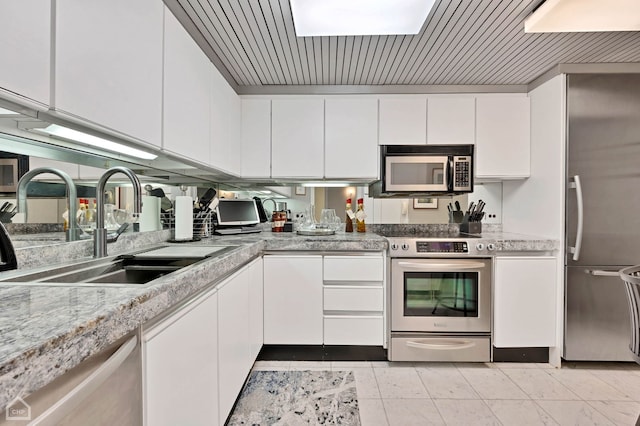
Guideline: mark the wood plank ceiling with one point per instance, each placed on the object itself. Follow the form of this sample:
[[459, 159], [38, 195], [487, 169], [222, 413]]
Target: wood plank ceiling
[[463, 42]]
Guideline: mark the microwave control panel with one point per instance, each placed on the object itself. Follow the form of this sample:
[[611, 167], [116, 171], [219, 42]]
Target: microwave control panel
[[462, 171]]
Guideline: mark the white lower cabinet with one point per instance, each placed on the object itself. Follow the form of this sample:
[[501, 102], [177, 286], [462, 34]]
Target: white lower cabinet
[[196, 360], [524, 304], [256, 307], [353, 303], [234, 352], [293, 300], [180, 362]]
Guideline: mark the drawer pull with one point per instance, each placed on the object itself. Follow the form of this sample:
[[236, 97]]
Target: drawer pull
[[441, 344]]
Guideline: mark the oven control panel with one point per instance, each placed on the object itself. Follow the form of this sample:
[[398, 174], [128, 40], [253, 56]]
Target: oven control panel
[[438, 247], [442, 247]]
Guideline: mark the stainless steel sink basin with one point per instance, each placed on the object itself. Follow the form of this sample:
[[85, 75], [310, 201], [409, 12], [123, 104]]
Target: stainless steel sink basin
[[138, 268]]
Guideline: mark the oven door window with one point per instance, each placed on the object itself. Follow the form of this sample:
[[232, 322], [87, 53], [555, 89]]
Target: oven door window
[[441, 294]]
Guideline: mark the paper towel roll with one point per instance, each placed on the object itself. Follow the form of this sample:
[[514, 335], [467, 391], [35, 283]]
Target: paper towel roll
[[150, 216], [183, 209]]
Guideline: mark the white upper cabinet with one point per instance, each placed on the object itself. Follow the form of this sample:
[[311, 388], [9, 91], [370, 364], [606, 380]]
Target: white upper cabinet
[[25, 31], [502, 137], [351, 138], [225, 125], [108, 64], [256, 138], [403, 121], [297, 138], [187, 92], [451, 120]]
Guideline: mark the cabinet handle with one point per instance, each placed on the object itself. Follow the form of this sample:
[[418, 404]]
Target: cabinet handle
[[465, 265], [441, 344], [70, 401], [602, 273]]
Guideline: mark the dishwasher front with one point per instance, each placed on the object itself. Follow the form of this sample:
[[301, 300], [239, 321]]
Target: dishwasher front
[[105, 389]]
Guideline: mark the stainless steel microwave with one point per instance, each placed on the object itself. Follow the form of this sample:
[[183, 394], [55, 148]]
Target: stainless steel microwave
[[12, 167], [415, 170]]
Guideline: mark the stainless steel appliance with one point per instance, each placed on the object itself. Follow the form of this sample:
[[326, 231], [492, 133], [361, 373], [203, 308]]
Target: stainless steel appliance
[[411, 170], [12, 167], [440, 300], [106, 389], [602, 220]]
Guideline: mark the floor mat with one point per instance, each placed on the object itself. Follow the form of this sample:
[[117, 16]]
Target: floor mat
[[296, 398]]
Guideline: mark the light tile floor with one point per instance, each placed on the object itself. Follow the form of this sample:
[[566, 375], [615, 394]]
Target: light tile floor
[[405, 394]]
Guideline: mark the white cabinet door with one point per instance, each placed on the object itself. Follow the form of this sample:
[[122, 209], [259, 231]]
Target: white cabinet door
[[225, 125], [293, 300], [181, 367], [403, 121], [297, 138], [451, 120], [233, 340], [25, 31], [108, 66], [256, 307], [256, 138], [187, 91], [525, 294], [351, 138], [502, 137]]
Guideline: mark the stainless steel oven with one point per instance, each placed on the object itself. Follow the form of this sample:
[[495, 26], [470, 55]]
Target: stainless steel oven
[[440, 301]]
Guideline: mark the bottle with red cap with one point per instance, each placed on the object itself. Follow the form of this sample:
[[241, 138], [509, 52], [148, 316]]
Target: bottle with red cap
[[349, 221], [360, 216]]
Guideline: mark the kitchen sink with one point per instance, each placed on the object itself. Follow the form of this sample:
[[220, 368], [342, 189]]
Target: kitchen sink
[[138, 268]]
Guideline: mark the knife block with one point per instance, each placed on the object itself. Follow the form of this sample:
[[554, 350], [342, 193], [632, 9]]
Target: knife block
[[456, 216], [471, 227]]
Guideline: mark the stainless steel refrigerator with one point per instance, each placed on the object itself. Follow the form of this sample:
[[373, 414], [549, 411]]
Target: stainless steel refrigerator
[[602, 212]]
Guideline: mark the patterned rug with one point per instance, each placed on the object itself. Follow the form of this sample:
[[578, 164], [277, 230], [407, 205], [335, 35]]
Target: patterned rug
[[298, 398]]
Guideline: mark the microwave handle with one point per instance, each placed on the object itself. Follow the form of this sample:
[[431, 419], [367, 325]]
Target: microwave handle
[[449, 181]]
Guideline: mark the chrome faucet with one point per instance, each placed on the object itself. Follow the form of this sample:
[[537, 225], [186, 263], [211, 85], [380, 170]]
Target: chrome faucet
[[100, 234], [74, 231]]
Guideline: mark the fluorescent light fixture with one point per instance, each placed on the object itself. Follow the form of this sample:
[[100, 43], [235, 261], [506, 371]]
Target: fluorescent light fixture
[[359, 17], [8, 112], [326, 184], [94, 141], [584, 16]]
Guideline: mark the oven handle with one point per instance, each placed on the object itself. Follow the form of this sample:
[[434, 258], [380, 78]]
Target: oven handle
[[466, 265], [441, 344]]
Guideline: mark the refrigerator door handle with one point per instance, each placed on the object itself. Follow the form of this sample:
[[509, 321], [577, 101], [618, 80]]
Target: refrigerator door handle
[[602, 273], [576, 185]]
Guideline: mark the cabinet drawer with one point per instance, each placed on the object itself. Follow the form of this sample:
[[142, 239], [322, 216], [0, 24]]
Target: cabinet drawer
[[353, 298], [345, 330], [353, 268]]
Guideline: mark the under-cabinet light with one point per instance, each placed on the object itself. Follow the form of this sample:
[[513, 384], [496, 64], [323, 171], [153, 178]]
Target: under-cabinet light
[[326, 184], [8, 112], [94, 141], [555, 16], [359, 17]]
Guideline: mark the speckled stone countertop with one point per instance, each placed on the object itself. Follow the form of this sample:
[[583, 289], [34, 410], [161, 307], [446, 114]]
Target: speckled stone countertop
[[46, 330]]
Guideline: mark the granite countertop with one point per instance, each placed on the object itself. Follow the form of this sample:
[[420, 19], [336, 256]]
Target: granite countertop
[[46, 330]]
